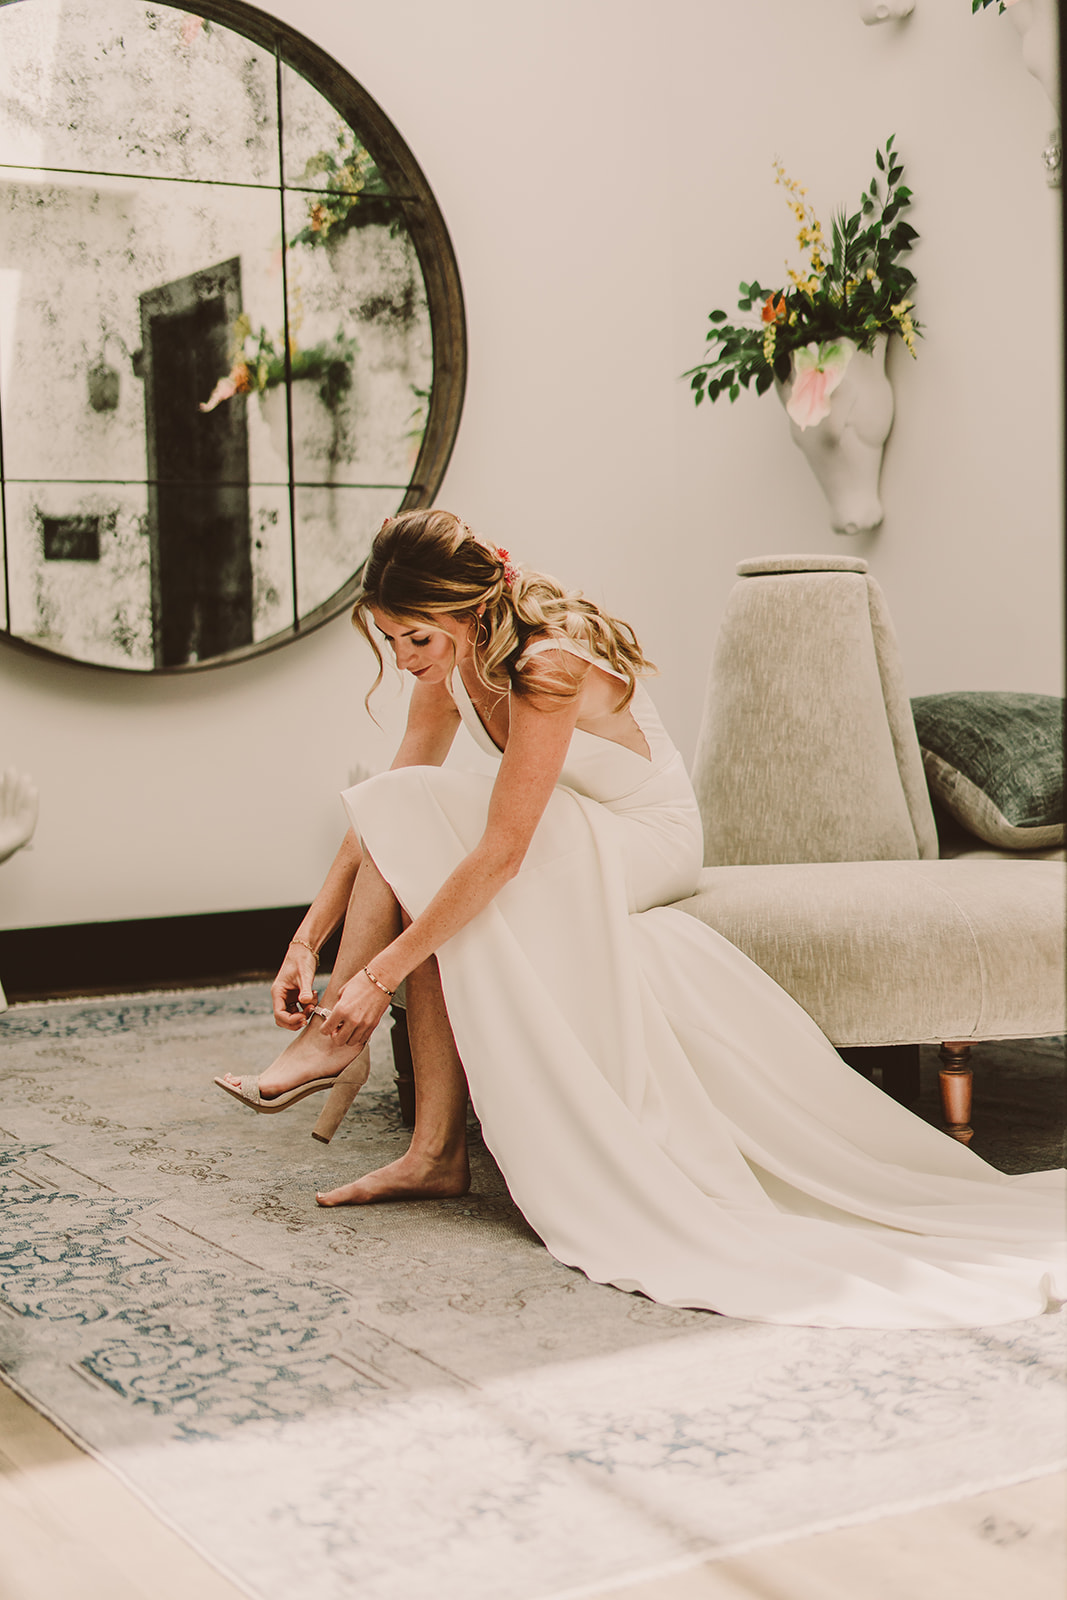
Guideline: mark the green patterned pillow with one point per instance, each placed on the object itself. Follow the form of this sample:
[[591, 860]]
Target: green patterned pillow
[[994, 761]]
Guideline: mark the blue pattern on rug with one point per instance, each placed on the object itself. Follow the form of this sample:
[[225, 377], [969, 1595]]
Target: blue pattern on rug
[[417, 1402], [69, 1259]]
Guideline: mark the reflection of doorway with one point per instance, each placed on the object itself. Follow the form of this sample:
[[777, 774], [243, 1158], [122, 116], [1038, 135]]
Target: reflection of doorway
[[197, 470]]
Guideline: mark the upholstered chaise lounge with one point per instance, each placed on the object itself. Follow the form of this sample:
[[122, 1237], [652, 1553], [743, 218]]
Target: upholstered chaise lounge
[[821, 848]]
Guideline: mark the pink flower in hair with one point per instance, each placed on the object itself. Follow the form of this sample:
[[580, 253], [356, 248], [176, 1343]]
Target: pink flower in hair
[[511, 571]]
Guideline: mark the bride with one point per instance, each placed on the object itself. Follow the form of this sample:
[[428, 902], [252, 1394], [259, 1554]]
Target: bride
[[666, 1118]]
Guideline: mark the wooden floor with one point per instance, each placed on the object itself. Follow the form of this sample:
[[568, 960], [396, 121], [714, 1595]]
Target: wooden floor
[[69, 1530]]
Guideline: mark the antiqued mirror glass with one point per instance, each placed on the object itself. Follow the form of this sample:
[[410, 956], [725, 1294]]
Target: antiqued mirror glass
[[231, 332]]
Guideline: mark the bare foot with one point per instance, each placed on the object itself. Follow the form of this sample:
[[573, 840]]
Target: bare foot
[[411, 1178], [311, 1054]]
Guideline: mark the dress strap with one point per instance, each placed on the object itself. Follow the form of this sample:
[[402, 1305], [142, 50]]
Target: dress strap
[[539, 647]]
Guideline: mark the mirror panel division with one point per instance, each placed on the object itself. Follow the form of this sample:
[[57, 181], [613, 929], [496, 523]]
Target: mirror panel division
[[231, 332]]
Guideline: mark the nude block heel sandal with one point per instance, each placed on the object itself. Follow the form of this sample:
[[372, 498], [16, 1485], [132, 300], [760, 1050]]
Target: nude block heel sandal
[[346, 1087]]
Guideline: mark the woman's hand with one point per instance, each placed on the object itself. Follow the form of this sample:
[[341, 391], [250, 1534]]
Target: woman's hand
[[293, 991], [356, 1013]]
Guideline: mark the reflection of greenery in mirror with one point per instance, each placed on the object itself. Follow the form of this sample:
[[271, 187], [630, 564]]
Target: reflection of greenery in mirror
[[352, 183], [231, 331]]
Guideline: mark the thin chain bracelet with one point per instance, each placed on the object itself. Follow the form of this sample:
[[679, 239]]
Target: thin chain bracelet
[[367, 973], [306, 946]]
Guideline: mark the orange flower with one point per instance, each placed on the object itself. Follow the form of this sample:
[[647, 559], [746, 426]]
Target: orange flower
[[317, 217], [241, 378], [772, 312]]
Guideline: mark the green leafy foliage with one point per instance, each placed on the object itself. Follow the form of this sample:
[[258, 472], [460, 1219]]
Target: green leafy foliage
[[352, 179], [261, 365], [857, 287]]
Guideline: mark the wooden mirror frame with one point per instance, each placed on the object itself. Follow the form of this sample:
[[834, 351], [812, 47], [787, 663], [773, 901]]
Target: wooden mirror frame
[[433, 247]]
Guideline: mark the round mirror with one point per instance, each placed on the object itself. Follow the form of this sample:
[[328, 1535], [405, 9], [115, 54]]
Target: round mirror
[[231, 332]]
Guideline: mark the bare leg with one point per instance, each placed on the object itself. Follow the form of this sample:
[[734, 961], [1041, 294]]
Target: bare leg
[[371, 922], [436, 1164]]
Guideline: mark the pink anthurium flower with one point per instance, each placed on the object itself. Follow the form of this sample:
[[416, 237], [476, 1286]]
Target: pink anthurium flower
[[237, 381], [817, 371], [225, 389]]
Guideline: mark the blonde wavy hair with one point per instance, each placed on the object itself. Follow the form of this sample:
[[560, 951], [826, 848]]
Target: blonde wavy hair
[[426, 564]]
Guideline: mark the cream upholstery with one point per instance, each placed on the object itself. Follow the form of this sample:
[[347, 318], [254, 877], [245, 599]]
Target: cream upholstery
[[902, 952], [808, 750], [820, 844]]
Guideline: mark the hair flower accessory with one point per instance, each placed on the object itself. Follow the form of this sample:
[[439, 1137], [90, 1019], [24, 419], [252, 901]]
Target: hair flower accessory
[[511, 571]]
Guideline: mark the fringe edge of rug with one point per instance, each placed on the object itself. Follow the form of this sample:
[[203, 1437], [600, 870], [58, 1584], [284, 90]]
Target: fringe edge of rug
[[706, 1556]]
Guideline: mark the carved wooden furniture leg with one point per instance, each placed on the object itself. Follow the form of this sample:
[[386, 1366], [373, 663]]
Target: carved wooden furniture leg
[[956, 1086], [405, 1071]]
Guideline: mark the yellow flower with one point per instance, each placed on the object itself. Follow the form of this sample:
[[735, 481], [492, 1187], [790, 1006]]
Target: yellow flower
[[769, 338], [907, 327], [808, 286], [810, 236]]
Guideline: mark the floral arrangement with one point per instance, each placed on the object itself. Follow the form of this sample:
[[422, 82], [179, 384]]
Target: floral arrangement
[[352, 177], [851, 289], [258, 364]]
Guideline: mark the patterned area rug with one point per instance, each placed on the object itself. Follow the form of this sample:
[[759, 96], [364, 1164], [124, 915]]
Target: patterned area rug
[[414, 1402]]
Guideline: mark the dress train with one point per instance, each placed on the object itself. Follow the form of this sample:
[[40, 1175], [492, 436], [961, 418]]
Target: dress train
[[669, 1120]]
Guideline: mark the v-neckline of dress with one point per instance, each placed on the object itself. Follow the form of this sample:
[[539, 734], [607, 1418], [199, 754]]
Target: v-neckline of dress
[[475, 713], [491, 746]]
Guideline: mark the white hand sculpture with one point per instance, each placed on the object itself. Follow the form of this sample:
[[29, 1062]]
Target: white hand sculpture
[[18, 812]]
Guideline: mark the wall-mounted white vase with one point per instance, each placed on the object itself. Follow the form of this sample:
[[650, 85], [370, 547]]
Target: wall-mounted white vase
[[316, 429], [845, 449], [1037, 22], [873, 11]]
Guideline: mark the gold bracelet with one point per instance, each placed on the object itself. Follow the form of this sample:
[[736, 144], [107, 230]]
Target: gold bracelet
[[378, 984], [306, 946]]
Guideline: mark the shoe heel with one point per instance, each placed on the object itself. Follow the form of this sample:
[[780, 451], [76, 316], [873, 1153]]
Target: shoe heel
[[340, 1097]]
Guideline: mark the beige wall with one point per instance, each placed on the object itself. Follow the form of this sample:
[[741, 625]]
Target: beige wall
[[605, 171]]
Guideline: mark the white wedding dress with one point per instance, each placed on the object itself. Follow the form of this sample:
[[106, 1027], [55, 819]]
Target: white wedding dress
[[666, 1117]]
